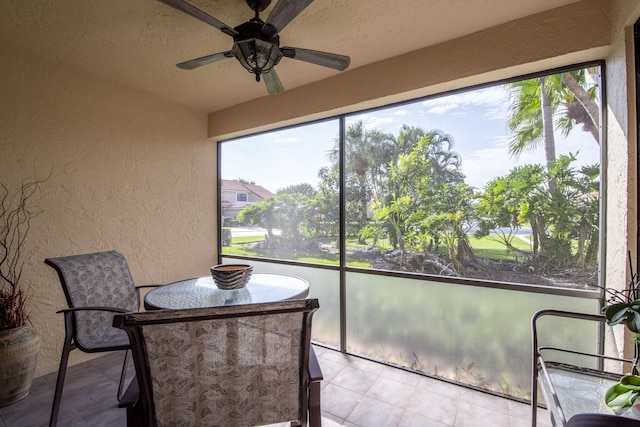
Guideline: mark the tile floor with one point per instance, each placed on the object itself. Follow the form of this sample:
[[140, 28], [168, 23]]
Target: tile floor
[[355, 393]]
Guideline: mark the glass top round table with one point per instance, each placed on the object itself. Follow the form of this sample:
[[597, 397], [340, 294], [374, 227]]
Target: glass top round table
[[203, 292]]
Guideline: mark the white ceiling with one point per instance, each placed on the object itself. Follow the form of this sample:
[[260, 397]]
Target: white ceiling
[[138, 42]]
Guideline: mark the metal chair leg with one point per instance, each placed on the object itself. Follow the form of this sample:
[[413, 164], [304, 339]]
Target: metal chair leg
[[123, 375], [315, 377], [315, 415], [62, 371]]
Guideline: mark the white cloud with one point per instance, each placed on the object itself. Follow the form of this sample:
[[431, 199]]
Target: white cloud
[[286, 140], [481, 166], [493, 99], [374, 122]]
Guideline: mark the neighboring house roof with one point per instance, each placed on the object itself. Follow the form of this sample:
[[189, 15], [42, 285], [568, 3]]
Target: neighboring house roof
[[231, 185]]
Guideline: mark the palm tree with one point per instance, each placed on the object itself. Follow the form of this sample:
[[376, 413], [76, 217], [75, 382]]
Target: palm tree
[[538, 106], [580, 103], [407, 139], [556, 101], [531, 118], [366, 155], [572, 101], [445, 164], [560, 101]]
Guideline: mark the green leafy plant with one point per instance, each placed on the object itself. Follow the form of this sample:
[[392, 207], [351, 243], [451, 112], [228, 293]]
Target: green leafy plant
[[624, 308], [624, 394]]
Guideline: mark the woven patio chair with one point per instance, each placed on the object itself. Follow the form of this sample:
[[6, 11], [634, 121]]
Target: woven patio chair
[[232, 366], [96, 286]]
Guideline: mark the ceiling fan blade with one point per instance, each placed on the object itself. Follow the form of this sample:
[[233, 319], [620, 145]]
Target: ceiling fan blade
[[272, 82], [204, 60], [283, 13], [185, 7], [326, 59]]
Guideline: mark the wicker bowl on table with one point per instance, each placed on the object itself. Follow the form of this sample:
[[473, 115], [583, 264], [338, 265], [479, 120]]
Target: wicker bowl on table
[[231, 276]]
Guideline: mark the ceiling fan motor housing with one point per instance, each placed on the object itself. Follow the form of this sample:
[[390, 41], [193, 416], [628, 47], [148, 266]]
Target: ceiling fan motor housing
[[258, 5], [256, 51]]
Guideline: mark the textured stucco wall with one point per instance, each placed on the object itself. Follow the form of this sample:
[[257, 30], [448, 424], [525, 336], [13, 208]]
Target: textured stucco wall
[[621, 196], [130, 172]]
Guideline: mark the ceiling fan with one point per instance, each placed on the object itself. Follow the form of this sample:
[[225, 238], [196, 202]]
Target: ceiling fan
[[256, 44]]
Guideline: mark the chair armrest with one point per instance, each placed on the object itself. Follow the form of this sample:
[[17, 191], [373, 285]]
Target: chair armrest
[[537, 349], [315, 373], [139, 288], [559, 313], [568, 314], [131, 395], [93, 308], [149, 286]]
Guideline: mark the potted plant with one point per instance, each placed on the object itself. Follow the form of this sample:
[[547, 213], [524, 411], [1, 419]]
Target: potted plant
[[19, 344], [623, 307]]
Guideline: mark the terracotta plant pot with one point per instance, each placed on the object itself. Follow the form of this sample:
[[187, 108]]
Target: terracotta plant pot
[[19, 349]]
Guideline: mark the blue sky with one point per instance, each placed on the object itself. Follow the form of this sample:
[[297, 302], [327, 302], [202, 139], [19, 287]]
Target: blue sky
[[475, 119]]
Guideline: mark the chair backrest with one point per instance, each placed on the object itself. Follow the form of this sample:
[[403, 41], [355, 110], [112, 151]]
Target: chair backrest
[[99, 279], [223, 366]]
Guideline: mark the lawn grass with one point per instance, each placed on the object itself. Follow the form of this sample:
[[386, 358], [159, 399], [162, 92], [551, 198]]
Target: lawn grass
[[316, 258], [491, 248], [334, 259], [239, 250], [246, 239], [352, 243], [485, 247]]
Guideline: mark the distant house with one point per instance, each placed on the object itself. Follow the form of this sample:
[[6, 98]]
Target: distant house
[[236, 196]]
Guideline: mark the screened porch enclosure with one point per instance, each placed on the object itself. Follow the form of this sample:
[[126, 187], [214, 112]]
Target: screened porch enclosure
[[431, 231]]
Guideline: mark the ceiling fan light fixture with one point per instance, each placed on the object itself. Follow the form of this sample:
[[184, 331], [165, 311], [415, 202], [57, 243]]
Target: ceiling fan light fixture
[[256, 55], [256, 44]]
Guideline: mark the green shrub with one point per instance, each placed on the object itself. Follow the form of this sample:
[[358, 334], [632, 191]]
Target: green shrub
[[226, 236]]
